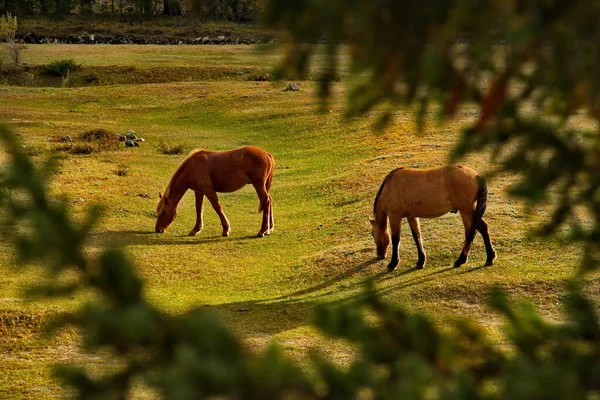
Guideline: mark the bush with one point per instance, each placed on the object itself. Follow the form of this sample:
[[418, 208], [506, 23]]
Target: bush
[[121, 170], [170, 149], [92, 141], [61, 68], [8, 30], [99, 134]]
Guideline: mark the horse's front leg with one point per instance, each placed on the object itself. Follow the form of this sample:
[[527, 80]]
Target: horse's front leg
[[199, 211], [214, 201], [395, 227]]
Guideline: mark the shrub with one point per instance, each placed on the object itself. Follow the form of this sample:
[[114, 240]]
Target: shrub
[[61, 68], [8, 29], [101, 139], [122, 170], [99, 134], [92, 141], [170, 149], [82, 149]]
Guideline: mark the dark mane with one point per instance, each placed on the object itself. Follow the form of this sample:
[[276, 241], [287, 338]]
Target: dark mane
[[387, 178]]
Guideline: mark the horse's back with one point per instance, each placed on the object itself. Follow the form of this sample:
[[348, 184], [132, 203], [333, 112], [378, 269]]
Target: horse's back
[[232, 169], [429, 193]]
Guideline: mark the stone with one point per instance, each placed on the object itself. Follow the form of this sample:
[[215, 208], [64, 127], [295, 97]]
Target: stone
[[130, 143], [136, 144], [220, 37], [140, 139], [205, 39], [67, 139], [130, 135], [292, 87]]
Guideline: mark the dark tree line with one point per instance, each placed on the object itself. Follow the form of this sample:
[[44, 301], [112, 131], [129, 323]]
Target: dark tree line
[[232, 10]]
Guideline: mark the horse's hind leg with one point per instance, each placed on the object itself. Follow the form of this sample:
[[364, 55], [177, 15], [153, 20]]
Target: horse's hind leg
[[199, 211], [416, 234], [265, 206], [467, 219], [214, 201], [395, 227], [489, 248], [271, 220]]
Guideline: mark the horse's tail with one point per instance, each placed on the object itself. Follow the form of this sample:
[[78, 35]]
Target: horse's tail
[[482, 193], [269, 180]]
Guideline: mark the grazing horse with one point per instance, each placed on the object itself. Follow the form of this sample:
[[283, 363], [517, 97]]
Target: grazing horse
[[413, 194], [208, 172]]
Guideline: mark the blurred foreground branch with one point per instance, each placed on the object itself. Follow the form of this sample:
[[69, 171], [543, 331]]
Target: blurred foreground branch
[[530, 67]]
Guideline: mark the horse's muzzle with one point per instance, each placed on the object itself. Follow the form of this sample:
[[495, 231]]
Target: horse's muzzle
[[159, 230]]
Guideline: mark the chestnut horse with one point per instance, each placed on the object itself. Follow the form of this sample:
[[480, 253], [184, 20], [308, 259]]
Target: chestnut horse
[[208, 172], [414, 194]]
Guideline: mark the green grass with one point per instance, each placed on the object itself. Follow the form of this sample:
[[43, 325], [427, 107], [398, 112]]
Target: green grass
[[327, 174], [126, 64]]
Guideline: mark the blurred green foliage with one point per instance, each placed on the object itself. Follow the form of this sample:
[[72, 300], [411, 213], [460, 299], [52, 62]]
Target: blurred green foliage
[[434, 54], [507, 57], [193, 356]]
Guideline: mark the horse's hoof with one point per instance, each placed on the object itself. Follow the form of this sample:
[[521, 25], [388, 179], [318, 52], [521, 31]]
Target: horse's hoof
[[261, 234], [490, 261], [419, 266], [225, 233], [193, 232], [391, 266]]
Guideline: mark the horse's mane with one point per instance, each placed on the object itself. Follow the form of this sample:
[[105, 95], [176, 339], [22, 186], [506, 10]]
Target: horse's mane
[[179, 170], [387, 178]]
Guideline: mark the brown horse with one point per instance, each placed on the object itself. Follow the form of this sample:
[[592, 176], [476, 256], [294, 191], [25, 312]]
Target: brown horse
[[208, 172], [414, 194]]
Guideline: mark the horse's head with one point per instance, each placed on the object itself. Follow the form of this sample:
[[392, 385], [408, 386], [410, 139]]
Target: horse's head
[[381, 236], [166, 212]]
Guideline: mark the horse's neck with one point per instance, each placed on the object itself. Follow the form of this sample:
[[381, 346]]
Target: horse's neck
[[178, 187], [381, 218]]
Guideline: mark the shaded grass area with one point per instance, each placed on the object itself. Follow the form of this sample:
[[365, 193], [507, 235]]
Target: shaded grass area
[[327, 174], [127, 64], [169, 28], [114, 75]]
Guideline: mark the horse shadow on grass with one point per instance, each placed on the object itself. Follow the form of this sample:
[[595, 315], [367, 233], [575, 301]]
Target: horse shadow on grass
[[268, 317]]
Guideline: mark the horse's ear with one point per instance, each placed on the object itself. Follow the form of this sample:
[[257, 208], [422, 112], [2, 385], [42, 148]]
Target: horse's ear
[[160, 196], [372, 221]]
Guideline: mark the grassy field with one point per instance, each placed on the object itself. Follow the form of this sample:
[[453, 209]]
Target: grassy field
[[327, 173]]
